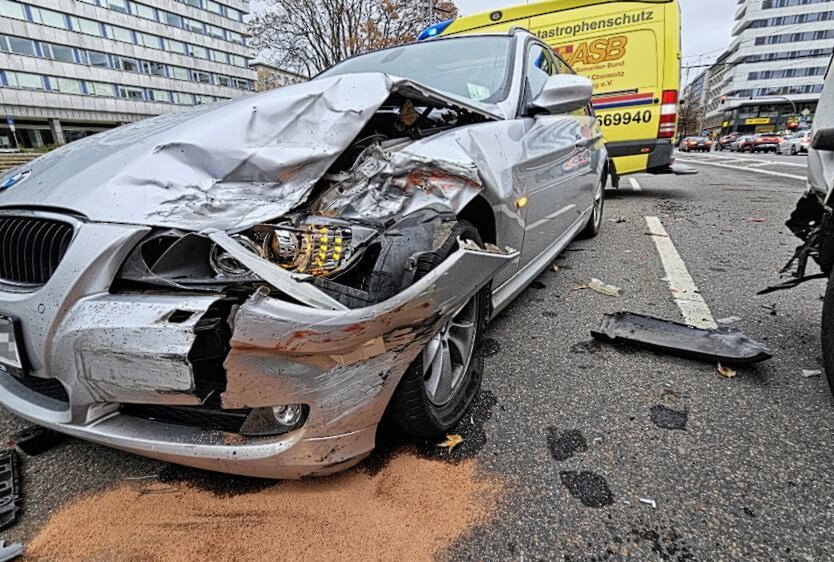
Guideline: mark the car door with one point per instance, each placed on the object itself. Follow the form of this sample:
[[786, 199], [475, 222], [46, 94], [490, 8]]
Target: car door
[[556, 171]]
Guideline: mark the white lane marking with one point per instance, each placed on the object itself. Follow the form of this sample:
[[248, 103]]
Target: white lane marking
[[758, 162], [634, 185], [744, 169], [692, 305]]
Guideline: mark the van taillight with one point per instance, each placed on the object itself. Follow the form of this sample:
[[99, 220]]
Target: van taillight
[[668, 114]]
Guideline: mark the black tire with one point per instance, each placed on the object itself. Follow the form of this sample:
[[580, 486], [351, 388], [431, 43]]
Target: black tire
[[411, 409], [793, 150], [595, 220], [828, 332]]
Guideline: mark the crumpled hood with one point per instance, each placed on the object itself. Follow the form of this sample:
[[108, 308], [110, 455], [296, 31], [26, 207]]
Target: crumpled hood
[[224, 166]]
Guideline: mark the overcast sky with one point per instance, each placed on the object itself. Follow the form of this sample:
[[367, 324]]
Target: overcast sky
[[706, 26]]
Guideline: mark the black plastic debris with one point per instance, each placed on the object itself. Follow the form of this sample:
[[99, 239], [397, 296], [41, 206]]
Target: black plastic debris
[[35, 439], [10, 552], [9, 487], [725, 344]]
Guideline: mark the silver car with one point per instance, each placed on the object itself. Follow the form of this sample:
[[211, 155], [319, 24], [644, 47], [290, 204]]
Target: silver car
[[249, 286]]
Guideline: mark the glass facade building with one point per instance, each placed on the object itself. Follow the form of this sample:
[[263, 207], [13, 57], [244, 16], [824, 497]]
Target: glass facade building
[[69, 68], [772, 74]]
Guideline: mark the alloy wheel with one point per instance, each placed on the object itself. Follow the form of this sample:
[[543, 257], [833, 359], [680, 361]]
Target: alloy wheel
[[447, 355]]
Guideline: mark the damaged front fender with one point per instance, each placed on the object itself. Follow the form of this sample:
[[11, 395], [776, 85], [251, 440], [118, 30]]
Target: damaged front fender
[[345, 364]]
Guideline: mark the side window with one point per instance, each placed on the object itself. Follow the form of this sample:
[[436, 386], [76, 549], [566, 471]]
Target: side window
[[540, 67]]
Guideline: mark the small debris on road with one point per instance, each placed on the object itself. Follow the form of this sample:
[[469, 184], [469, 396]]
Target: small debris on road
[[755, 219], [618, 220], [649, 501], [726, 371], [601, 288], [9, 487], [729, 320], [451, 442], [555, 268], [35, 440], [771, 308], [538, 285], [725, 344], [808, 373], [10, 552]]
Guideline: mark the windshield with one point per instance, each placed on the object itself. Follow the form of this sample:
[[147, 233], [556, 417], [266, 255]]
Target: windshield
[[474, 68]]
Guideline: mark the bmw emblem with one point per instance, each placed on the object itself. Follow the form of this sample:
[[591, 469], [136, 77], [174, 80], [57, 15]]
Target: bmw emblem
[[14, 180]]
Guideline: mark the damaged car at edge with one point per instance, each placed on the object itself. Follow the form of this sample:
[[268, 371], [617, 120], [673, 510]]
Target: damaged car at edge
[[813, 219], [249, 287]]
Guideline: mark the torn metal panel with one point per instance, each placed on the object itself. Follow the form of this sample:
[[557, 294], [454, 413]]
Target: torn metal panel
[[127, 350], [345, 363], [224, 166], [383, 185], [727, 345]]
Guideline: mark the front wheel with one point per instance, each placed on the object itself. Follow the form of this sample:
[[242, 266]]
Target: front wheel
[[438, 387]]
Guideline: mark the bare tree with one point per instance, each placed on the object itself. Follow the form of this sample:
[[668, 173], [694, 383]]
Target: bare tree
[[306, 36]]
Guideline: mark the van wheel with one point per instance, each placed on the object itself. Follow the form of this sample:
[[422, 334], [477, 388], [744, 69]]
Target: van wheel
[[438, 387]]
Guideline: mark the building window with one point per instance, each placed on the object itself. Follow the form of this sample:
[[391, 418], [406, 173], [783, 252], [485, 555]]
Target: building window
[[235, 37], [143, 11], [59, 52], [65, 85], [193, 25], [131, 93], [175, 46], [198, 52], [96, 58], [195, 3], [201, 77], [119, 34], [241, 84], [20, 46], [214, 7], [237, 60], [219, 56], [221, 80], [181, 98], [24, 80], [179, 73], [48, 17], [171, 19], [214, 31], [202, 100], [160, 96], [154, 68], [126, 64], [148, 40], [100, 89], [86, 26], [12, 10], [118, 5]]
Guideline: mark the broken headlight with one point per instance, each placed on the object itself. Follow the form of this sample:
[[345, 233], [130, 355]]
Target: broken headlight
[[310, 248]]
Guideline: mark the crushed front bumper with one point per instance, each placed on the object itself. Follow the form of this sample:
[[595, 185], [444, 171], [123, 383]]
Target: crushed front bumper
[[106, 350]]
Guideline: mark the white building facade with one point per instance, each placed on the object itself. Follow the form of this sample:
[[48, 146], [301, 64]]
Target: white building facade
[[772, 74], [69, 68]]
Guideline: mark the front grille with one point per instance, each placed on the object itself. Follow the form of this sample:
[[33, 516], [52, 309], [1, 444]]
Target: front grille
[[51, 388], [31, 248], [193, 416]]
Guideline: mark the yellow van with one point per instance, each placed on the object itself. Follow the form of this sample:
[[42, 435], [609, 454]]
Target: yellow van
[[629, 48]]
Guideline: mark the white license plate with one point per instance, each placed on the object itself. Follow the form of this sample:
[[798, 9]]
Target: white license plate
[[11, 358]]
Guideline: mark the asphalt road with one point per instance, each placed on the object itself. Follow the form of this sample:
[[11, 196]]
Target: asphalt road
[[580, 431]]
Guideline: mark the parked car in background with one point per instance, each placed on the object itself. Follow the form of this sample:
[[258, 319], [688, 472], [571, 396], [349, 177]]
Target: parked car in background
[[765, 142], [250, 285], [794, 144], [725, 142], [813, 220], [743, 143], [695, 144]]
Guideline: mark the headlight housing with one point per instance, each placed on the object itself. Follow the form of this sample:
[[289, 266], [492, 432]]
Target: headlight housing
[[190, 260]]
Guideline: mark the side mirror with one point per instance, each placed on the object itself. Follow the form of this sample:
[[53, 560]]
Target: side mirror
[[823, 139], [563, 93]]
